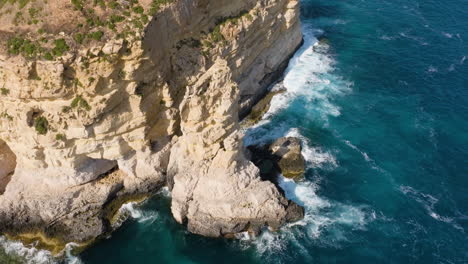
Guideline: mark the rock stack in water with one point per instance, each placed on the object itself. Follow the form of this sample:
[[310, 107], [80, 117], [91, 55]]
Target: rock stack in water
[[283, 156]]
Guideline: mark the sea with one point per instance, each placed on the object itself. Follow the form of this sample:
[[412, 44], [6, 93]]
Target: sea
[[378, 93]]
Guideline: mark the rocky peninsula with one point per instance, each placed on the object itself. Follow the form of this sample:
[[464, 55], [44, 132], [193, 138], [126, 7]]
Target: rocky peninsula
[[103, 102]]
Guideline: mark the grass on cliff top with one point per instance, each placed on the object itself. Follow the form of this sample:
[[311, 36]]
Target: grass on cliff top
[[80, 102], [21, 3], [97, 19]]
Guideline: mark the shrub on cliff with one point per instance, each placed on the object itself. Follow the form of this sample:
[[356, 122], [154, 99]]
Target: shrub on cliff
[[80, 102], [60, 47], [42, 125]]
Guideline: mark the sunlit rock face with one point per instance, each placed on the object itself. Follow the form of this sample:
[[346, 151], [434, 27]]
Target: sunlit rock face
[[119, 117]]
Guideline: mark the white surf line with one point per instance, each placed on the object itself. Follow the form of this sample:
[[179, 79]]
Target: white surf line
[[30, 254]]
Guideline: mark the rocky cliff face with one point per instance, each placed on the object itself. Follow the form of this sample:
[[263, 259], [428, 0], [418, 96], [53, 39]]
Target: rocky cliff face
[[114, 117]]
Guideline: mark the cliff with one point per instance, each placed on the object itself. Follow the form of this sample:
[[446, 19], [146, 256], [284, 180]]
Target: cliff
[[105, 101]]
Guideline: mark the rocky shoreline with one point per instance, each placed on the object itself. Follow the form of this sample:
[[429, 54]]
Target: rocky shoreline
[[115, 120]]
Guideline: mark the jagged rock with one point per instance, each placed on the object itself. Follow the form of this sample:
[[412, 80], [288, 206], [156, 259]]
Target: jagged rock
[[289, 156], [282, 156], [7, 165], [162, 106], [261, 107]]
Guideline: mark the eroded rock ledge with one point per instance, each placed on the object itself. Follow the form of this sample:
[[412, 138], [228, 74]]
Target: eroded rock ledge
[[123, 117]]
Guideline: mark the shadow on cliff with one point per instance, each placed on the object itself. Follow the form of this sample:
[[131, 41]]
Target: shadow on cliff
[[7, 165]]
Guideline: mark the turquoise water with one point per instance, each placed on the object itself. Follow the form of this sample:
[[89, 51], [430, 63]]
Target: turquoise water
[[382, 105], [381, 102]]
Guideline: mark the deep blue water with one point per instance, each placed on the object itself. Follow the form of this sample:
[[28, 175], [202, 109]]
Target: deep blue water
[[381, 102], [382, 105]]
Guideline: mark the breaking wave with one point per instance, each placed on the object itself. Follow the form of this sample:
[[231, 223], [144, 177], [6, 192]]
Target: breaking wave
[[311, 81], [16, 250]]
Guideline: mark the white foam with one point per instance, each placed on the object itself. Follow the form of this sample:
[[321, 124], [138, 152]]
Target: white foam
[[320, 214], [447, 35], [165, 192], [69, 257], [263, 133], [432, 69], [428, 202], [143, 216], [309, 77], [365, 156], [385, 37], [314, 156], [417, 39], [30, 254]]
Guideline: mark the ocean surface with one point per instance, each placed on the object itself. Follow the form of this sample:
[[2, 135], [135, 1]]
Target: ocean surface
[[379, 95]]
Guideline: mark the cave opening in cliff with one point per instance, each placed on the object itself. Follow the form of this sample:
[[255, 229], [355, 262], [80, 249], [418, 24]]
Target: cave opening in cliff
[[7, 165]]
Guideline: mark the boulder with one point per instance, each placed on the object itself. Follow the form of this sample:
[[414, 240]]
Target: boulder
[[287, 151], [282, 156]]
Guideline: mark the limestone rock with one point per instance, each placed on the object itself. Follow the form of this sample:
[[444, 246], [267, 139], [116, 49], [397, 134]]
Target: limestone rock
[[113, 118], [7, 165], [290, 159], [282, 156]]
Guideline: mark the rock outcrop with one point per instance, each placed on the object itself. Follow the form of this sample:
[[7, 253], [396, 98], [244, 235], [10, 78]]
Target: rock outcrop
[[7, 165], [111, 117], [283, 156], [290, 159]]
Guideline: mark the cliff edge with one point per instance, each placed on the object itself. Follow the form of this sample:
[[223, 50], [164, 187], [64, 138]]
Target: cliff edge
[[105, 101]]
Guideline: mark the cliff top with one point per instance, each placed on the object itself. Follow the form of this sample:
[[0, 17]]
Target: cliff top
[[46, 29]]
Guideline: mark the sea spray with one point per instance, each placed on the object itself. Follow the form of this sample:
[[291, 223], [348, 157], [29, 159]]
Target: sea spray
[[16, 251], [143, 216], [69, 257], [309, 79]]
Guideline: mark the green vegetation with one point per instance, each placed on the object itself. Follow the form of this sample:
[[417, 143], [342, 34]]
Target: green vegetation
[[4, 91], [215, 36], [97, 35], [93, 28], [80, 102], [113, 5], [116, 18], [19, 45], [138, 9], [60, 47], [29, 49], [78, 4], [21, 3], [33, 12], [48, 56], [79, 38], [42, 125], [60, 137], [156, 5], [7, 116], [66, 109]]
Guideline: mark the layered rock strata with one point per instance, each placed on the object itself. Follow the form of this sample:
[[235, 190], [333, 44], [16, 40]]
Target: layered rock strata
[[122, 117]]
